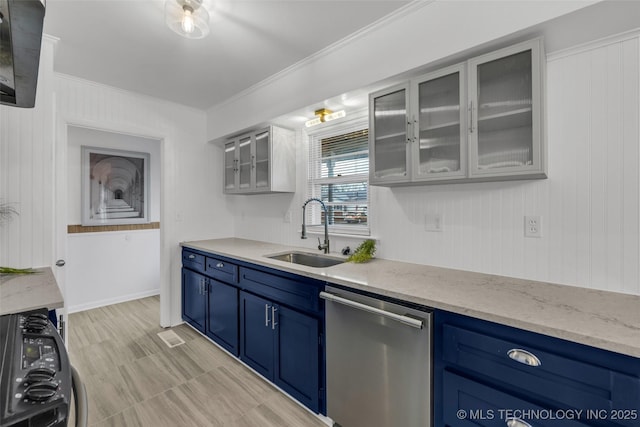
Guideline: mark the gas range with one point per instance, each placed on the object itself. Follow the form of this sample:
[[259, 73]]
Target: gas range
[[36, 376]]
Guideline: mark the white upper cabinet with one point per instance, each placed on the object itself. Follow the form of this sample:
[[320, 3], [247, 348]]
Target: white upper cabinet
[[505, 104], [475, 121], [389, 135], [261, 161], [439, 144]]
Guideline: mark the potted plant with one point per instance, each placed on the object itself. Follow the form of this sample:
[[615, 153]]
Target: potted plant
[[364, 252]]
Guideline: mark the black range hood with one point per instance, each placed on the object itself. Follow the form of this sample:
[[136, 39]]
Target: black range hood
[[20, 41]]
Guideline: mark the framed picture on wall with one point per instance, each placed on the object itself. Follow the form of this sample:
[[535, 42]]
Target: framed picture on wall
[[115, 186]]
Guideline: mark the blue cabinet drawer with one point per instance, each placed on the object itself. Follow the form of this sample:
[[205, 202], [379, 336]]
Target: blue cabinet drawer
[[222, 270], [294, 293], [193, 261], [472, 404], [564, 381]]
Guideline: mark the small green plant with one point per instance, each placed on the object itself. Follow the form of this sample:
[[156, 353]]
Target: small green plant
[[364, 252], [9, 270]]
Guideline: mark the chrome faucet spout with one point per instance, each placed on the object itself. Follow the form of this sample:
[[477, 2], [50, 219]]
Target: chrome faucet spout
[[303, 234]]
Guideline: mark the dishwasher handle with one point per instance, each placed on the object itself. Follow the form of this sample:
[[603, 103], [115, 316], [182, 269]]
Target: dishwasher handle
[[409, 321]]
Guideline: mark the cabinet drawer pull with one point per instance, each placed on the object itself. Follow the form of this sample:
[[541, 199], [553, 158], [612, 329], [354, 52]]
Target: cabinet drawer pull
[[266, 315], [273, 317], [517, 422], [219, 265], [192, 256], [524, 357]]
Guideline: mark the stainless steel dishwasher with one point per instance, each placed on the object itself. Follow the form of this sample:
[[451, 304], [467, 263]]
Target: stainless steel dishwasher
[[378, 362]]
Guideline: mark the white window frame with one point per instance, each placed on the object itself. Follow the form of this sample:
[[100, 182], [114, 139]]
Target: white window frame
[[354, 122]]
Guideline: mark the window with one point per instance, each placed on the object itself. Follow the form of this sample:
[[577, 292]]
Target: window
[[339, 176]]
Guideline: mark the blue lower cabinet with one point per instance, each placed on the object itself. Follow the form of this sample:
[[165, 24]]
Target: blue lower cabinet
[[487, 374], [273, 321], [283, 345], [472, 404], [257, 343], [222, 315], [297, 358], [194, 301]]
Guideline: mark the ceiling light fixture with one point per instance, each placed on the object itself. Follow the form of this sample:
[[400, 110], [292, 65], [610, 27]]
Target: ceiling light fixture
[[189, 18], [324, 115]]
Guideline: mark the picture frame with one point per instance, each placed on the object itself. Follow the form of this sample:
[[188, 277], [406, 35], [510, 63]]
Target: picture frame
[[115, 186]]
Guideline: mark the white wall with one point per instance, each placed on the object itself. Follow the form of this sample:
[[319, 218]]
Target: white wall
[[110, 267], [27, 173], [590, 204], [191, 207]]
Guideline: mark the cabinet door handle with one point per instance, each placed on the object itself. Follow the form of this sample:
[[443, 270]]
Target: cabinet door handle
[[253, 162], [523, 356], [192, 256], [266, 314], [273, 317], [416, 135], [235, 165], [200, 287], [219, 265], [408, 130], [470, 116], [516, 422]]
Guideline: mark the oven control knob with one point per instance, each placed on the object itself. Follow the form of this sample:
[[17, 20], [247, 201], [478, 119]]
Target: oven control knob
[[41, 391], [39, 375], [40, 316], [36, 325]]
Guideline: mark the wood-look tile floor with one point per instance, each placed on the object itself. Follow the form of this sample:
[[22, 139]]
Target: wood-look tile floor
[[133, 379]]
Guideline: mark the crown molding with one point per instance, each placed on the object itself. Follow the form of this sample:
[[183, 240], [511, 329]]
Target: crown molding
[[397, 14]]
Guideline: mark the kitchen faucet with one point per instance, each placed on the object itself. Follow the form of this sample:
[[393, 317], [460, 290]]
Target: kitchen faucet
[[321, 246]]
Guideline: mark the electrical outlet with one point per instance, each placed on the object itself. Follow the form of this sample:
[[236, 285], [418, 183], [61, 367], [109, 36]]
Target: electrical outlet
[[433, 222], [287, 217], [532, 226]]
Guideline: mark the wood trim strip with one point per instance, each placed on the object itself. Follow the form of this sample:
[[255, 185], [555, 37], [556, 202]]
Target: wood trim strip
[[77, 228]]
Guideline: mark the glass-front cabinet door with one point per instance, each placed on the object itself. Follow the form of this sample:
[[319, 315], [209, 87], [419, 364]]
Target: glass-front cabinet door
[[261, 160], [389, 135], [230, 167], [506, 111], [439, 147], [245, 163]]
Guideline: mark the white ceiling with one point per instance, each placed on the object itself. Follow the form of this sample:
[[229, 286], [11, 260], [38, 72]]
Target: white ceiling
[[126, 44]]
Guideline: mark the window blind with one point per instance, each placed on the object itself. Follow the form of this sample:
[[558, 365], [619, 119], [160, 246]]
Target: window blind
[[339, 176]]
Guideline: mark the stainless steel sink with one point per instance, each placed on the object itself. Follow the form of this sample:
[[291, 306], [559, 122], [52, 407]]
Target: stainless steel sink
[[304, 258]]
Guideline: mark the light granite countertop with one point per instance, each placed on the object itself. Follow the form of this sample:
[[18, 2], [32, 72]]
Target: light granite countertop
[[24, 292], [602, 319]]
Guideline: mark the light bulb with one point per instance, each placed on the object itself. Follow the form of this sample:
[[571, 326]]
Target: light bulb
[[187, 20]]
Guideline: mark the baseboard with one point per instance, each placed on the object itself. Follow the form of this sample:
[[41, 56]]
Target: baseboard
[[110, 301]]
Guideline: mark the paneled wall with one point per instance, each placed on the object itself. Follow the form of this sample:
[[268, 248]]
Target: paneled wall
[[27, 173], [589, 204]]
